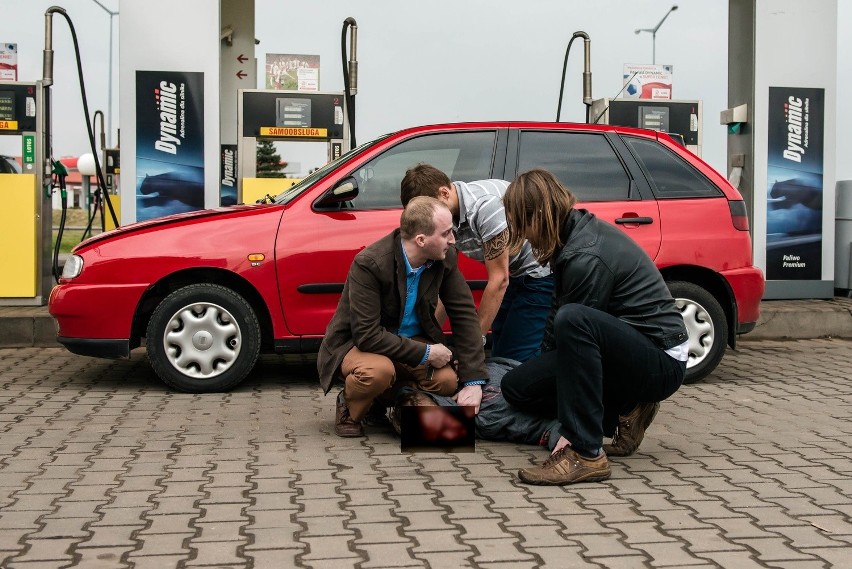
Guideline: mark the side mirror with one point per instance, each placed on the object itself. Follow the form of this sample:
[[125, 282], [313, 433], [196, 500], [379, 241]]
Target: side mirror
[[343, 191]]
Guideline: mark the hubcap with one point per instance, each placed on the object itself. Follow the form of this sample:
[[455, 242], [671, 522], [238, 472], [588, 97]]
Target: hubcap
[[702, 333], [202, 340]]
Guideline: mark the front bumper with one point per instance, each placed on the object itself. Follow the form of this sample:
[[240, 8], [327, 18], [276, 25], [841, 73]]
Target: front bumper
[[94, 312]]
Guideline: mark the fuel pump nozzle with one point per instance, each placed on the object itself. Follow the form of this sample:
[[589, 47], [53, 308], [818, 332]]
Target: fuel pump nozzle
[[47, 66], [353, 56], [97, 114], [350, 73], [587, 73]]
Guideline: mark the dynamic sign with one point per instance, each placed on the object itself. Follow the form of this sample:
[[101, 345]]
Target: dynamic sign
[[169, 143], [794, 192]]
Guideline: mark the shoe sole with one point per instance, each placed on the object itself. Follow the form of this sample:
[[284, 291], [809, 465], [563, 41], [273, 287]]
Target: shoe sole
[[594, 476], [348, 435]]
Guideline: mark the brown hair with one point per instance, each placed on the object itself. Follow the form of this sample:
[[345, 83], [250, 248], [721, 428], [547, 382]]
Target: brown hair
[[537, 205], [422, 180], [419, 217]]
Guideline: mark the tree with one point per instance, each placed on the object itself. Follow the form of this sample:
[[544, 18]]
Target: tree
[[269, 164]]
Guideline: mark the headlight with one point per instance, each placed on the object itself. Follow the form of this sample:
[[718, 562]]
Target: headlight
[[73, 267]]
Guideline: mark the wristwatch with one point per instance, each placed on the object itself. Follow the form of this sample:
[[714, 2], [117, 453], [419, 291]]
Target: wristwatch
[[484, 338]]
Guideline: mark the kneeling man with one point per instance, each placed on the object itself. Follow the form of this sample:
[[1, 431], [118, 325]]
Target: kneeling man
[[384, 334]]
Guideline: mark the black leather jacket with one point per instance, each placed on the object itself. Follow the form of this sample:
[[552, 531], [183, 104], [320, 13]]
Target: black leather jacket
[[601, 267]]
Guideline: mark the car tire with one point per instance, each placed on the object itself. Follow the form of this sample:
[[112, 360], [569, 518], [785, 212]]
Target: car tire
[[707, 326], [203, 338]]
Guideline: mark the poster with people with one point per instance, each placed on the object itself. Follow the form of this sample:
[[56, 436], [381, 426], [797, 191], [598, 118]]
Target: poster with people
[[292, 72], [169, 143], [794, 192]]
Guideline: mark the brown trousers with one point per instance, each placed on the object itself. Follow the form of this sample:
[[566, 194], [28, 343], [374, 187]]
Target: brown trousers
[[368, 377]]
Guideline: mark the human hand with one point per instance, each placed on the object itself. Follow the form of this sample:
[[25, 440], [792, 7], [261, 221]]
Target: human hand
[[470, 396], [439, 356]]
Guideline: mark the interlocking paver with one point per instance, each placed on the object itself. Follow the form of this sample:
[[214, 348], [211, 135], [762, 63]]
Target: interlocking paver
[[329, 547], [483, 528], [271, 558], [272, 538], [505, 549], [102, 558], [53, 550], [384, 513], [389, 555]]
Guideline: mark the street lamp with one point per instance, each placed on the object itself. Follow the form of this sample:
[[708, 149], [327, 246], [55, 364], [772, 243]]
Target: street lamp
[[109, 87], [653, 32]]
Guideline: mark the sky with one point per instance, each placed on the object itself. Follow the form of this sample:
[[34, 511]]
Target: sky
[[431, 62]]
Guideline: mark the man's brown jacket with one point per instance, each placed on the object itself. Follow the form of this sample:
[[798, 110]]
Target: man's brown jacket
[[371, 306]]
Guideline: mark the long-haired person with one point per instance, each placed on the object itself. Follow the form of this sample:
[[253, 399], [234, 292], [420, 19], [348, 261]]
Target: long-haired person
[[614, 344]]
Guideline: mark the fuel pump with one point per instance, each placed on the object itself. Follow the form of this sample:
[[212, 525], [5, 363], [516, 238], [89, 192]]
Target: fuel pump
[[290, 116], [268, 114], [27, 212]]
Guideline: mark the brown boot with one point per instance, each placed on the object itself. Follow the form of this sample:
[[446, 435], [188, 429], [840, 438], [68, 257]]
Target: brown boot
[[565, 466], [344, 424], [631, 429]]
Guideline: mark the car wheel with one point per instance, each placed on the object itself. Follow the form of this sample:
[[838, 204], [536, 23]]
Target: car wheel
[[203, 338], [707, 326]]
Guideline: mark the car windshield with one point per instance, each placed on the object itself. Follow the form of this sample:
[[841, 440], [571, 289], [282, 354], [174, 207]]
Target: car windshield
[[290, 193]]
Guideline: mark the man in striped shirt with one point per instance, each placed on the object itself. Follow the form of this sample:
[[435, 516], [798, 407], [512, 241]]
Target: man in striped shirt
[[517, 297]]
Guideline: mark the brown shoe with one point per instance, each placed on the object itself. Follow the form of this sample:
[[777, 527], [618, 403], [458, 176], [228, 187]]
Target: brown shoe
[[631, 429], [565, 466], [344, 424]]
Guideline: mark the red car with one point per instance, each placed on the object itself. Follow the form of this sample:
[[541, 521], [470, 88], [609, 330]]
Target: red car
[[209, 290]]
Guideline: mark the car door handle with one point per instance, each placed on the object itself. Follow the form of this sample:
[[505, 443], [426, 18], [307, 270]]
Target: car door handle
[[634, 220]]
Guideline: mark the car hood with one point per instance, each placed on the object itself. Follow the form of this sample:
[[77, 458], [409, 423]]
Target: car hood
[[178, 218]]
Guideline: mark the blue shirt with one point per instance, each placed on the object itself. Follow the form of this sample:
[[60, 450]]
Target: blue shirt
[[410, 322], [409, 325]]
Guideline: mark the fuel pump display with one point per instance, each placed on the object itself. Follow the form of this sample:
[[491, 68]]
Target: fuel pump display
[[17, 108], [8, 118], [18, 117]]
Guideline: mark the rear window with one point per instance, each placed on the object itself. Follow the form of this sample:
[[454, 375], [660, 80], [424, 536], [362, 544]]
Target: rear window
[[669, 175], [585, 163]]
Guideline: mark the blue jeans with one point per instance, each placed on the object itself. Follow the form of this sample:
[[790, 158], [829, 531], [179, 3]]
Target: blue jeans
[[518, 328]]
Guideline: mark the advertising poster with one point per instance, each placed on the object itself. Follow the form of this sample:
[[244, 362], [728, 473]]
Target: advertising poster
[[292, 72], [8, 62], [169, 143], [228, 175], [794, 192], [647, 81]]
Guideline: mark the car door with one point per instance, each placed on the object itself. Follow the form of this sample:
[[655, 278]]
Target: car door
[[316, 245], [587, 163]]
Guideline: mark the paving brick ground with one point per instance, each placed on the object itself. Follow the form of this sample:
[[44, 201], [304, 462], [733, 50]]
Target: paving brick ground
[[101, 466]]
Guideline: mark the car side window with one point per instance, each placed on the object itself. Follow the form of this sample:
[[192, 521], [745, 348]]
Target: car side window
[[585, 163], [465, 156], [669, 175]]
